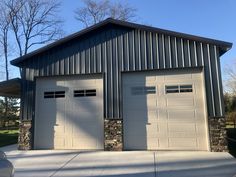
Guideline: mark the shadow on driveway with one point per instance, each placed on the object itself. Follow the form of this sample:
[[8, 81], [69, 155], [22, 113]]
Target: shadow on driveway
[[66, 163]]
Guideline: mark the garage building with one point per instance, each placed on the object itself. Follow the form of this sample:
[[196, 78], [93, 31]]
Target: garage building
[[123, 86]]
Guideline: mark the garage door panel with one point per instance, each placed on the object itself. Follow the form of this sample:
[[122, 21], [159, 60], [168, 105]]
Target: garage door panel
[[183, 143], [153, 117], [176, 101], [152, 143], [151, 114], [59, 129], [84, 134], [149, 129], [162, 128], [86, 143], [182, 134], [162, 143], [60, 115], [181, 115], [137, 131], [177, 77], [86, 113], [139, 141], [200, 129], [59, 120], [59, 142], [150, 78], [137, 104], [85, 116], [69, 119], [137, 118], [201, 142], [86, 130], [140, 79], [83, 83], [84, 106], [172, 121], [198, 103], [86, 119], [86, 100], [196, 76], [43, 143], [152, 129], [47, 83], [181, 127]]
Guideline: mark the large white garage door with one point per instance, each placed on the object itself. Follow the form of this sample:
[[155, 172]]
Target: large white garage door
[[164, 110], [69, 113]]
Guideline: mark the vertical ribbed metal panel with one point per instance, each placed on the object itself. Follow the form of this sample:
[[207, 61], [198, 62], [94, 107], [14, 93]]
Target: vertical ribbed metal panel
[[115, 50], [23, 96], [219, 81]]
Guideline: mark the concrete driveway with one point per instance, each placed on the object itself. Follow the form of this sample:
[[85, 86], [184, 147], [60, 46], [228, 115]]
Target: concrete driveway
[[68, 163]]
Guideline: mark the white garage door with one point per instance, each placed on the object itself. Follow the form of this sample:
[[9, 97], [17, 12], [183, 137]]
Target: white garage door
[[164, 110], [69, 113]]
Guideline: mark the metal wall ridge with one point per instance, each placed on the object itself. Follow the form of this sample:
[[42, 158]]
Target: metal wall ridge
[[117, 50]]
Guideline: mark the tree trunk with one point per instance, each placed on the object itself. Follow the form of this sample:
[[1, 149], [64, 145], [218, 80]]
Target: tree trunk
[[6, 68]]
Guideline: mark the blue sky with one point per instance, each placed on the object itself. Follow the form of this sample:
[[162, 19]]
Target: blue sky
[[208, 18]]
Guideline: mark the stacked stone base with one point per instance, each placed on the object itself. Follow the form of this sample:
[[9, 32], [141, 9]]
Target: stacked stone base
[[217, 128], [25, 135], [113, 135]]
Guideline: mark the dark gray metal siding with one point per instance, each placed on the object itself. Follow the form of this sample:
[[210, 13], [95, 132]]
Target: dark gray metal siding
[[116, 49]]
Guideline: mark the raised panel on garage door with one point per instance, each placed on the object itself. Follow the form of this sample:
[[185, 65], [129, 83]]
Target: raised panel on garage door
[[171, 117], [72, 121]]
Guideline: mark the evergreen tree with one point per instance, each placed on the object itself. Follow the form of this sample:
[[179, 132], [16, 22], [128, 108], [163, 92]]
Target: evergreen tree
[[12, 112]]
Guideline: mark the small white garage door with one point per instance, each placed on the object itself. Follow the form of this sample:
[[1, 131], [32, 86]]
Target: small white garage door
[[164, 110], [69, 113]]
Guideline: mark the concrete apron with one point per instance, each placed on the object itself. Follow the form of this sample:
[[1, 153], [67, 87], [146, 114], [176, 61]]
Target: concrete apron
[[45, 163]]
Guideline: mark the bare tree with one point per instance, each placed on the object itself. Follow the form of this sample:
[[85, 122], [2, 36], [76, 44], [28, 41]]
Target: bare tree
[[122, 12], [95, 11], [231, 81], [4, 44], [4, 32], [30, 22], [34, 22]]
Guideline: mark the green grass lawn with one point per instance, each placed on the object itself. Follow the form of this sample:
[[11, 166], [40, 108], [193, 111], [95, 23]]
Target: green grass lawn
[[8, 137], [231, 133]]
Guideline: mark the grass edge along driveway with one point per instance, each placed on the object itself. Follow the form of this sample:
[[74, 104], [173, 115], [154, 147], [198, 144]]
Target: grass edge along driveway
[[8, 137]]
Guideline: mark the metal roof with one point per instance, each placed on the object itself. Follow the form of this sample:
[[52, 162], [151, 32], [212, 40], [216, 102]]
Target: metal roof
[[11, 88], [224, 46]]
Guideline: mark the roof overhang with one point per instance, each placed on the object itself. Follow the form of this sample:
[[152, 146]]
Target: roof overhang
[[11, 88], [223, 46]]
